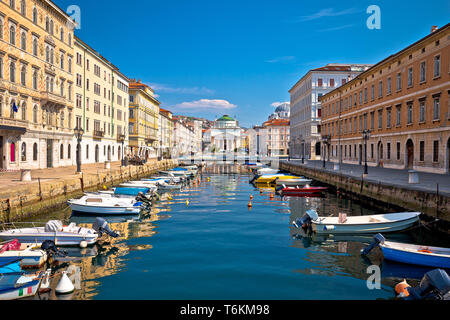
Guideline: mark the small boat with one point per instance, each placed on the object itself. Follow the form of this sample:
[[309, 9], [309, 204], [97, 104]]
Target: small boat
[[18, 285], [411, 253], [263, 171], [53, 230], [167, 186], [177, 173], [105, 206], [10, 265], [122, 192], [30, 254], [293, 182], [358, 224], [269, 179], [302, 191]]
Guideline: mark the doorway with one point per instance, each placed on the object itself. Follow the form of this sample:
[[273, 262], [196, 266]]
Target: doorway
[[49, 153], [1, 152], [96, 154], [410, 154], [360, 154]]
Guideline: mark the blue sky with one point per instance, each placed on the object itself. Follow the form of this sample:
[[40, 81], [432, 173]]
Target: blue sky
[[207, 58]]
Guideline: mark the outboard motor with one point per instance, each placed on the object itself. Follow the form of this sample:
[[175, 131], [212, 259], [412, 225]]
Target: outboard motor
[[256, 177], [50, 248], [306, 221], [377, 239], [141, 197], [101, 226], [435, 285]]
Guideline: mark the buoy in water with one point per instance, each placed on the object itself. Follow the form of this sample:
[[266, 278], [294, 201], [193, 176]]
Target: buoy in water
[[83, 244], [251, 197], [65, 286], [402, 289], [105, 187], [187, 202], [250, 204], [271, 196]]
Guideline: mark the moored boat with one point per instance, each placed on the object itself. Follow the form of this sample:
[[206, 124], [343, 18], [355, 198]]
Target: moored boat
[[18, 285], [269, 179], [293, 182], [302, 191], [359, 224], [9, 265], [30, 254], [105, 205]]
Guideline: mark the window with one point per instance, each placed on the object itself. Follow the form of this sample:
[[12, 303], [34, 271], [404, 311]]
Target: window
[[70, 39], [62, 60], [35, 47], [436, 107], [24, 111], [87, 151], [35, 152], [69, 151], [380, 89], [372, 92], [23, 41], [78, 100], [23, 7], [388, 156], [399, 115], [422, 111], [61, 34], [437, 66], [12, 71], [410, 77], [35, 15], [389, 86], [12, 35], [398, 150], [423, 71], [422, 151], [23, 75], [372, 120], [410, 113], [436, 151], [61, 152], [23, 152], [380, 119], [69, 65], [365, 95], [35, 114], [331, 82], [399, 81], [388, 117]]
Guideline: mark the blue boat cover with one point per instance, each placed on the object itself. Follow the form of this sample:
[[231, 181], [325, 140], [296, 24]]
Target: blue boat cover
[[4, 261], [130, 191], [180, 169]]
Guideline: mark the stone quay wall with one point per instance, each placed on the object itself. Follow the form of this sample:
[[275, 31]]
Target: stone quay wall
[[34, 199], [432, 204]]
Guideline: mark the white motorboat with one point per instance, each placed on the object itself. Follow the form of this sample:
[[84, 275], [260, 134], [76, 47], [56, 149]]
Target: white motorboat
[[264, 171], [105, 205], [168, 186], [140, 184], [358, 224], [293, 182], [31, 254], [53, 230]]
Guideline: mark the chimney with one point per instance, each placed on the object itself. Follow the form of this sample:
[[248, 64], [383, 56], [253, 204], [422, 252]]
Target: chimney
[[433, 29]]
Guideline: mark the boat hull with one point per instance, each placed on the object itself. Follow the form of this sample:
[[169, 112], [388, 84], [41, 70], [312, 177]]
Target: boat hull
[[293, 182], [364, 228], [302, 192], [21, 291], [98, 210], [415, 258]]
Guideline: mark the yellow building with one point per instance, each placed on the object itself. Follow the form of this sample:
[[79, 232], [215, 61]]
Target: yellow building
[[143, 121], [101, 105], [36, 86]]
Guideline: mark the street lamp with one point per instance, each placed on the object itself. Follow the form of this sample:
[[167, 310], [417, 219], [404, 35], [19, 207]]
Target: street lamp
[[326, 143], [79, 135], [366, 136]]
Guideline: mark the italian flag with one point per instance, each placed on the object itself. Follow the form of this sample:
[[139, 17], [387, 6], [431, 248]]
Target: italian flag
[[29, 291]]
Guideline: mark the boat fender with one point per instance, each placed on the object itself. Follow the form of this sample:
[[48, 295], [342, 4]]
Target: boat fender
[[377, 239], [401, 289], [329, 228], [101, 226], [435, 285]]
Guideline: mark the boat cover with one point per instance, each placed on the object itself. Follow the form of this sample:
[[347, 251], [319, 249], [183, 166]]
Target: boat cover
[[11, 246], [131, 191], [179, 169], [53, 226], [5, 261]]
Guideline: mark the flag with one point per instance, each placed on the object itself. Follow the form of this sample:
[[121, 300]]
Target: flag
[[15, 109]]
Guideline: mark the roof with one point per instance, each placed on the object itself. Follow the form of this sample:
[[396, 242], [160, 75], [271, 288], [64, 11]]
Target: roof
[[226, 118], [276, 123]]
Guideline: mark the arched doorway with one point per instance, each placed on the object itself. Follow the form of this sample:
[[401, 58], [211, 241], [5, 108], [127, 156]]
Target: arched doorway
[[318, 148], [119, 154], [109, 153], [96, 153], [410, 154], [360, 154], [380, 154]]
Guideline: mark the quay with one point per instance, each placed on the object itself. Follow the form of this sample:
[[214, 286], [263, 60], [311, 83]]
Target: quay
[[430, 196], [51, 188]]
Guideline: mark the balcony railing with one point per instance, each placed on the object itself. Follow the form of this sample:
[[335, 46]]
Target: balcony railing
[[13, 124], [98, 134], [47, 96]]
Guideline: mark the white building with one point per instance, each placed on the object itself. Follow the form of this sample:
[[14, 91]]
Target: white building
[[184, 138], [283, 111], [226, 135], [305, 113]]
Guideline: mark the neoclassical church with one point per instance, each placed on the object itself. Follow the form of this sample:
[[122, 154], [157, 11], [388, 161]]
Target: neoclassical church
[[226, 134]]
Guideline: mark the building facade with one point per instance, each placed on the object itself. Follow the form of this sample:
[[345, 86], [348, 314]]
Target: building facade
[[143, 121], [305, 113], [101, 106], [404, 102], [165, 133], [184, 138], [36, 85], [277, 137], [226, 135]]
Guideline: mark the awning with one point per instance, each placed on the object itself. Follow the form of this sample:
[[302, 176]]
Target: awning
[[11, 128]]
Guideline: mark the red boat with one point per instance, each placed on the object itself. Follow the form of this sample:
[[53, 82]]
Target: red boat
[[303, 191]]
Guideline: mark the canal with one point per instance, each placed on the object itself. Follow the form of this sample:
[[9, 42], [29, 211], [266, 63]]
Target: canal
[[203, 242]]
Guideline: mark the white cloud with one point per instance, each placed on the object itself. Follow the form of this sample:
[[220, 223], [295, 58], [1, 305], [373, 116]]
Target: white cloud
[[336, 28], [329, 12], [281, 59], [169, 89], [276, 104], [205, 105]]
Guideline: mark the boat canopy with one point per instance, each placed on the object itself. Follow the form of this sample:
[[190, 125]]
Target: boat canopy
[[179, 169], [131, 191]]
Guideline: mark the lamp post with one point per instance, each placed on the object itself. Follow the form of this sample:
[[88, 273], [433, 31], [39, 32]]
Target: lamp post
[[326, 142], [79, 135], [366, 136]]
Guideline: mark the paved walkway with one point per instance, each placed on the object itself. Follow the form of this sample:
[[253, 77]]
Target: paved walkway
[[399, 178], [12, 179]]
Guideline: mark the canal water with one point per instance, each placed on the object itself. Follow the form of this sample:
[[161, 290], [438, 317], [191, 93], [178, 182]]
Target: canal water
[[205, 243]]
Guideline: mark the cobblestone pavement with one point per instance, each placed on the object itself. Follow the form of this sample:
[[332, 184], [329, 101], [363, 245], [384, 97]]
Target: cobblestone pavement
[[427, 181]]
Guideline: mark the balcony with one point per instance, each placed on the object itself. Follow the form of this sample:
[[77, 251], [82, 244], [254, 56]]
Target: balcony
[[121, 138], [13, 124], [52, 98], [98, 134]]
